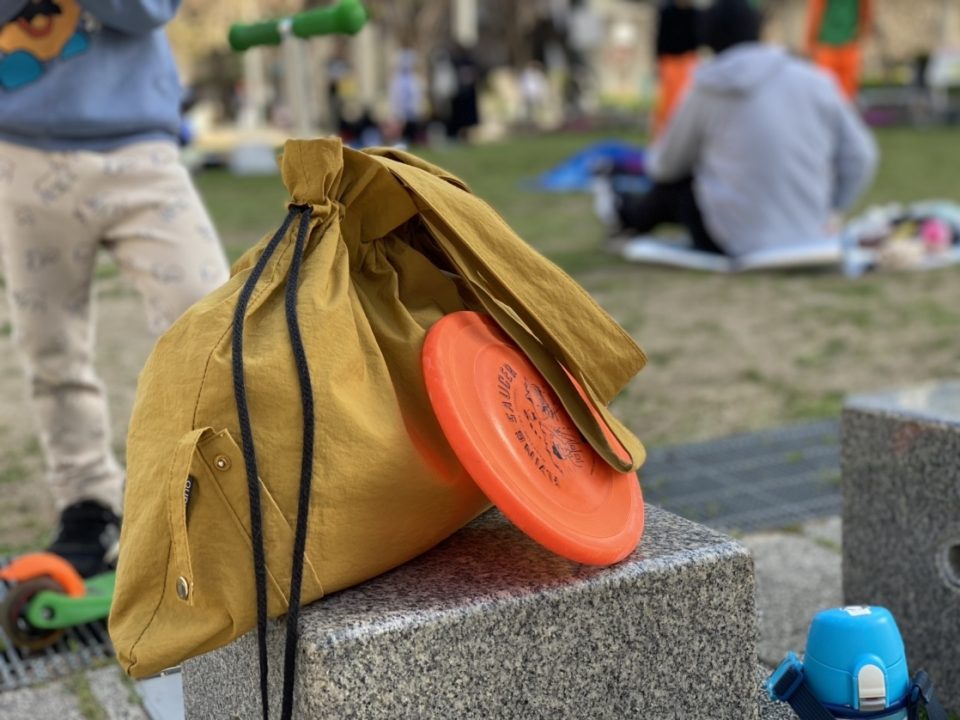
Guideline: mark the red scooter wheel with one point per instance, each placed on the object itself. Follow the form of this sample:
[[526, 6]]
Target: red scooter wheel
[[13, 618]]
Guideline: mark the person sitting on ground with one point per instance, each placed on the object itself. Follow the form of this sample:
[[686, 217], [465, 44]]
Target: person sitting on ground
[[763, 149]]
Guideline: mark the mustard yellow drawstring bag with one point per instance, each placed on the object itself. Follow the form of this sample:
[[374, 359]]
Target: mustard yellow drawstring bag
[[282, 444]]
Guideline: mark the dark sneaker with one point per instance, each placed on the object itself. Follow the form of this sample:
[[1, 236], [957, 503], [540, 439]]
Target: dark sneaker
[[87, 537]]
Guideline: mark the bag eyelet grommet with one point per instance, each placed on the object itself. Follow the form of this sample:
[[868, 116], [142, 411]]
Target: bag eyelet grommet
[[222, 463], [183, 588]]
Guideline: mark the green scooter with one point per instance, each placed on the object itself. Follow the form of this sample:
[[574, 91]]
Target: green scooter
[[46, 597]]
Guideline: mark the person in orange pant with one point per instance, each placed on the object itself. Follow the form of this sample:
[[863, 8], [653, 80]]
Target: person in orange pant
[[678, 37], [835, 31]]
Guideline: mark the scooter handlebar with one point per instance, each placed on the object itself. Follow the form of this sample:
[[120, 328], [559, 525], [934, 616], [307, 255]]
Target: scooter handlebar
[[347, 17]]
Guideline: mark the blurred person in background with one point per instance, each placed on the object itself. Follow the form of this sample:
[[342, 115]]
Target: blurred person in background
[[678, 38], [760, 153], [836, 30], [89, 124], [407, 97], [443, 86], [464, 113], [339, 76], [534, 92]]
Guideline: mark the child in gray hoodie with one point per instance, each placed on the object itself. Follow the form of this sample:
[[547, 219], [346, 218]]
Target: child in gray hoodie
[[763, 149], [89, 120]]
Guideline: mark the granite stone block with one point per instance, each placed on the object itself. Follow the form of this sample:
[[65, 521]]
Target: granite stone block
[[901, 520], [489, 625]]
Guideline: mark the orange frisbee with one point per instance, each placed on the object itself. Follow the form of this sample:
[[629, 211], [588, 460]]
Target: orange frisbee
[[512, 434]]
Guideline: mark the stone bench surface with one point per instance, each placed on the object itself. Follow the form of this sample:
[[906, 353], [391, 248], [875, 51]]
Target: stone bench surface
[[901, 520], [490, 625]]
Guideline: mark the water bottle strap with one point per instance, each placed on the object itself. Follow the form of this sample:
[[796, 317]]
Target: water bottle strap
[[923, 694]]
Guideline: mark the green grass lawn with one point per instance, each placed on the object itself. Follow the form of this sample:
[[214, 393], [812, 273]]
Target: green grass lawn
[[727, 353], [915, 164], [563, 227]]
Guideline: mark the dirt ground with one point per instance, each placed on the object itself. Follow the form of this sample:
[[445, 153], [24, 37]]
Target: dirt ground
[[726, 354], [736, 353]]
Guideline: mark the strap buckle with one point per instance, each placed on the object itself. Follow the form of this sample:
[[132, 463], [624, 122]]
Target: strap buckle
[[786, 684], [786, 679]]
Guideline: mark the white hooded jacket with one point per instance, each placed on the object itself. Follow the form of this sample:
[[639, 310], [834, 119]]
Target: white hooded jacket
[[772, 146]]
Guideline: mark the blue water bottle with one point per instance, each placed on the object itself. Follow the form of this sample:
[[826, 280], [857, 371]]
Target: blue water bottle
[[855, 666]]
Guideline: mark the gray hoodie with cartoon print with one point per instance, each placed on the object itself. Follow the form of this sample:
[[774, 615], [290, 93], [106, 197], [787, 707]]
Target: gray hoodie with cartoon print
[[87, 74], [772, 146]]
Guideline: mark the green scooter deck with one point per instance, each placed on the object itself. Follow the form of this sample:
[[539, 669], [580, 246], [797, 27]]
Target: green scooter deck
[[50, 610], [71, 649]]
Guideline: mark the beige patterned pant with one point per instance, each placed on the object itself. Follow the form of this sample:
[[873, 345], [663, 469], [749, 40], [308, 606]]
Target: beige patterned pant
[[56, 210]]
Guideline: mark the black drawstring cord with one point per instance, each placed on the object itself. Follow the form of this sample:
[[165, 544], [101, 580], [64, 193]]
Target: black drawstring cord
[[306, 469], [250, 458]]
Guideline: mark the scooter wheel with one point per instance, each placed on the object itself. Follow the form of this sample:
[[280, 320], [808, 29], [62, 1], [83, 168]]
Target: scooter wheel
[[13, 616]]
